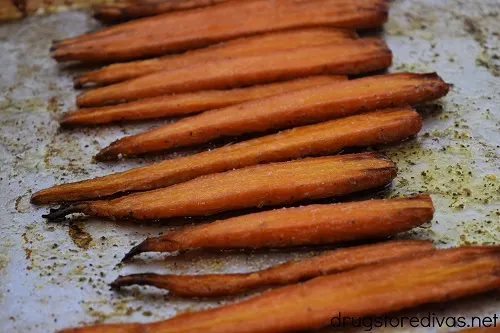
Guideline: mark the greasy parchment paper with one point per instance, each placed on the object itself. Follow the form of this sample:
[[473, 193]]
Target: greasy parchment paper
[[55, 275]]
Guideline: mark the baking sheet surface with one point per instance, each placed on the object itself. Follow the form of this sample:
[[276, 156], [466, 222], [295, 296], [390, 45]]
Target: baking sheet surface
[[55, 275]]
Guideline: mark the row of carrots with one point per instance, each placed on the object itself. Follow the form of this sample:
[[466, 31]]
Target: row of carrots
[[268, 65]]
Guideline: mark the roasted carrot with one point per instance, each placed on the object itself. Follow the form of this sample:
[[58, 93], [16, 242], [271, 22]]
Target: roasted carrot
[[184, 104], [200, 27], [246, 46], [257, 186], [369, 129], [307, 225], [372, 290], [338, 58], [330, 262], [128, 10], [287, 110]]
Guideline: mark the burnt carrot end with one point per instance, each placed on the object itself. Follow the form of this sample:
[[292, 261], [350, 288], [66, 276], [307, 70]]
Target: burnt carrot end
[[379, 127], [185, 104], [349, 57], [308, 225], [241, 47], [301, 107], [331, 262], [257, 186], [173, 32], [366, 291], [127, 10]]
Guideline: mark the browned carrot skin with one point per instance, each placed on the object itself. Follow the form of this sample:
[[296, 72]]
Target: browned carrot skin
[[200, 27], [296, 108], [330, 262], [184, 104], [257, 186], [380, 127], [339, 58], [128, 10], [372, 290], [247, 46], [308, 225]]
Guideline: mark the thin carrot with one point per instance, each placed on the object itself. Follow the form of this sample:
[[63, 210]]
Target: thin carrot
[[200, 27], [246, 46], [307, 225], [128, 10], [338, 58], [257, 186], [380, 127], [330, 262], [306, 106], [372, 290], [188, 103]]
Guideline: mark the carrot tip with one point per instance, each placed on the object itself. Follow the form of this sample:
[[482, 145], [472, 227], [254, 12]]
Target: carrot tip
[[120, 281], [60, 213], [129, 280], [64, 121], [106, 155], [35, 198], [135, 251]]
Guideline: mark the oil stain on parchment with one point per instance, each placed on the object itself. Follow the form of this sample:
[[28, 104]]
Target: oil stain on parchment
[[80, 237]]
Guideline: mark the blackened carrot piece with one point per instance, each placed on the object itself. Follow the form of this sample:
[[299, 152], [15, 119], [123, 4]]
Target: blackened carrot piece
[[367, 291], [308, 225], [339, 58], [257, 186], [301, 107], [200, 27], [379, 127], [188, 103], [331, 262], [127, 10], [246, 46]]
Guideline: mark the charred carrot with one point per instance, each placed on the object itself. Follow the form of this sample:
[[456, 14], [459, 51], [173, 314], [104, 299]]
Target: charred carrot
[[372, 290], [128, 10], [257, 186], [308, 225], [369, 129], [200, 27], [184, 104], [247, 46], [295, 108], [339, 58], [330, 262]]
